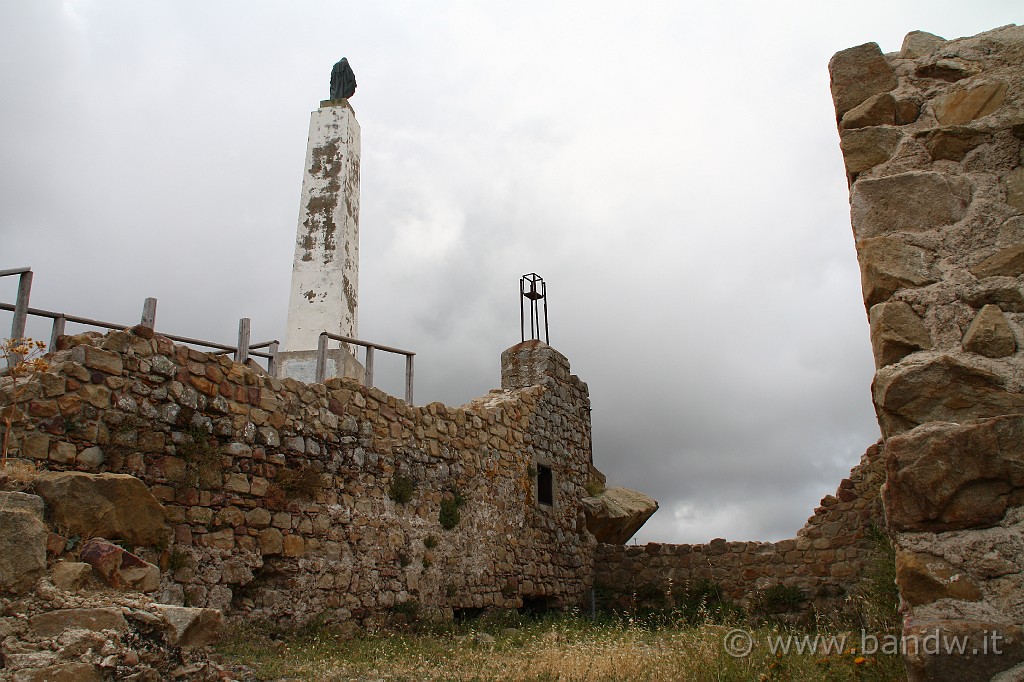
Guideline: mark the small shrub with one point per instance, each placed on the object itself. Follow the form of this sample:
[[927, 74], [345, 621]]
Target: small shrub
[[410, 609], [404, 559], [427, 561], [450, 515], [402, 489], [430, 542], [176, 559], [779, 599], [302, 482], [877, 596], [202, 460], [24, 360], [594, 487]]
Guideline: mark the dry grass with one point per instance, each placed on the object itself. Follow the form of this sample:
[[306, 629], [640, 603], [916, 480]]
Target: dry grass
[[567, 649]]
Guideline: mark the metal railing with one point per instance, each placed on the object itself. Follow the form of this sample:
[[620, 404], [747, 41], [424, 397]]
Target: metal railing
[[242, 352], [321, 360]]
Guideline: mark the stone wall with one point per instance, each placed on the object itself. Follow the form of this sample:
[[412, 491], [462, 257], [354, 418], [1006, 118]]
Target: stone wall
[[932, 141], [290, 500], [823, 562]]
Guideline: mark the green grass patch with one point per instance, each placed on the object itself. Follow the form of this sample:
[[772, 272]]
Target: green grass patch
[[510, 647]]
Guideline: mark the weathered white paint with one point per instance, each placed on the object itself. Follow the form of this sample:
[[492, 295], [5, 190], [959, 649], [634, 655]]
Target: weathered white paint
[[325, 272]]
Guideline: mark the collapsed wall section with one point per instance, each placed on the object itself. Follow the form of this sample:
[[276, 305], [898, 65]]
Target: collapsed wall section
[[291, 500], [817, 570], [932, 141]]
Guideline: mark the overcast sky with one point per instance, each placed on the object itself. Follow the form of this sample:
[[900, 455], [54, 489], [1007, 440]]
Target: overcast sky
[[672, 169]]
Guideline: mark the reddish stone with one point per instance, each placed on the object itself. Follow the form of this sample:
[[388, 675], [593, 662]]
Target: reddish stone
[[120, 569], [56, 544]]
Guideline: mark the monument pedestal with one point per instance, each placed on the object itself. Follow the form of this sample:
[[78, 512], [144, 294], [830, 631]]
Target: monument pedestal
[[301, 365]]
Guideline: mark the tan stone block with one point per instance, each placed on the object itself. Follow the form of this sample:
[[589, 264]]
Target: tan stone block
[[907, 202], [238, 483], [35, 445], [271, 541], [990, 334], [63, 453], [222, 539], [919, 44], [200, 515], [896, 331], [874, 111], [1013, 182], [1007, 262], [888, 264], [967, 104], [95, 358], [865, 148], [294, 545], [96, 395], [924, 578]]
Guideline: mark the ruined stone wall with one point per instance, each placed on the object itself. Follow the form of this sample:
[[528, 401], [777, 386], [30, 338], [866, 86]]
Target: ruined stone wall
[[932, 141], [824, 561], [280, 497]]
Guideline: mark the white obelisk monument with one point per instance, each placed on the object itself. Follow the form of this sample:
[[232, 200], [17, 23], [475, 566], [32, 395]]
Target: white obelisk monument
[[325, 272]]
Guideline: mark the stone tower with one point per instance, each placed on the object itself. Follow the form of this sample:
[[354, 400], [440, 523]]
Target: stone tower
[[325, 272]]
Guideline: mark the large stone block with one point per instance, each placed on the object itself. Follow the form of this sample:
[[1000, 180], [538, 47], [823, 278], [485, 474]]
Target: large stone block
[[1013, 182], [888, 264], [919, 43], [191, 627], [1007, 262], [874, 111], [909, 202], [939, 389], [865, 148], [857, 73], [108, 505], [964, 105], [953, 142], [22, 541], [990, 334], [896, 331], [62, 672], [945, 476], [934, 653], [52, 623], [614, 516], [925, 578]]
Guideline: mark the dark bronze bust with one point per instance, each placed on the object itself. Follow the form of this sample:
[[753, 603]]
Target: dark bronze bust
[[343, 81]]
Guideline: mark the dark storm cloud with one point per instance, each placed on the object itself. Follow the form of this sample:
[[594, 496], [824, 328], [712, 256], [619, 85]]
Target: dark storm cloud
[[671, 169]]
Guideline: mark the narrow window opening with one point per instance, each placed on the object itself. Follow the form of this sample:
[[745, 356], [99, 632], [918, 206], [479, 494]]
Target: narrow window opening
[[545, 486]]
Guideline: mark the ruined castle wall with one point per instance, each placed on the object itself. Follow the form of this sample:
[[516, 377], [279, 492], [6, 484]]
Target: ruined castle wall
[[932, 141], [280, 496], [824, 561]]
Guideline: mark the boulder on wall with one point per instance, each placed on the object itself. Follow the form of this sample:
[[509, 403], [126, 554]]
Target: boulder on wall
[[615, 515], [115, 506], [22, 541]]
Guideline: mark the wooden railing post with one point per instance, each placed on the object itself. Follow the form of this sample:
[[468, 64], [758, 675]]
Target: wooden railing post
[[21, 305], [242, 352], [321, 358], [408, 379], [58, 331], [149, 313], [369, 366], [272, 360]]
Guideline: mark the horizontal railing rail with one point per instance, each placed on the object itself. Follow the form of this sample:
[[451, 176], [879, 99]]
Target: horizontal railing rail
[[242, 352], [321, 360]]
